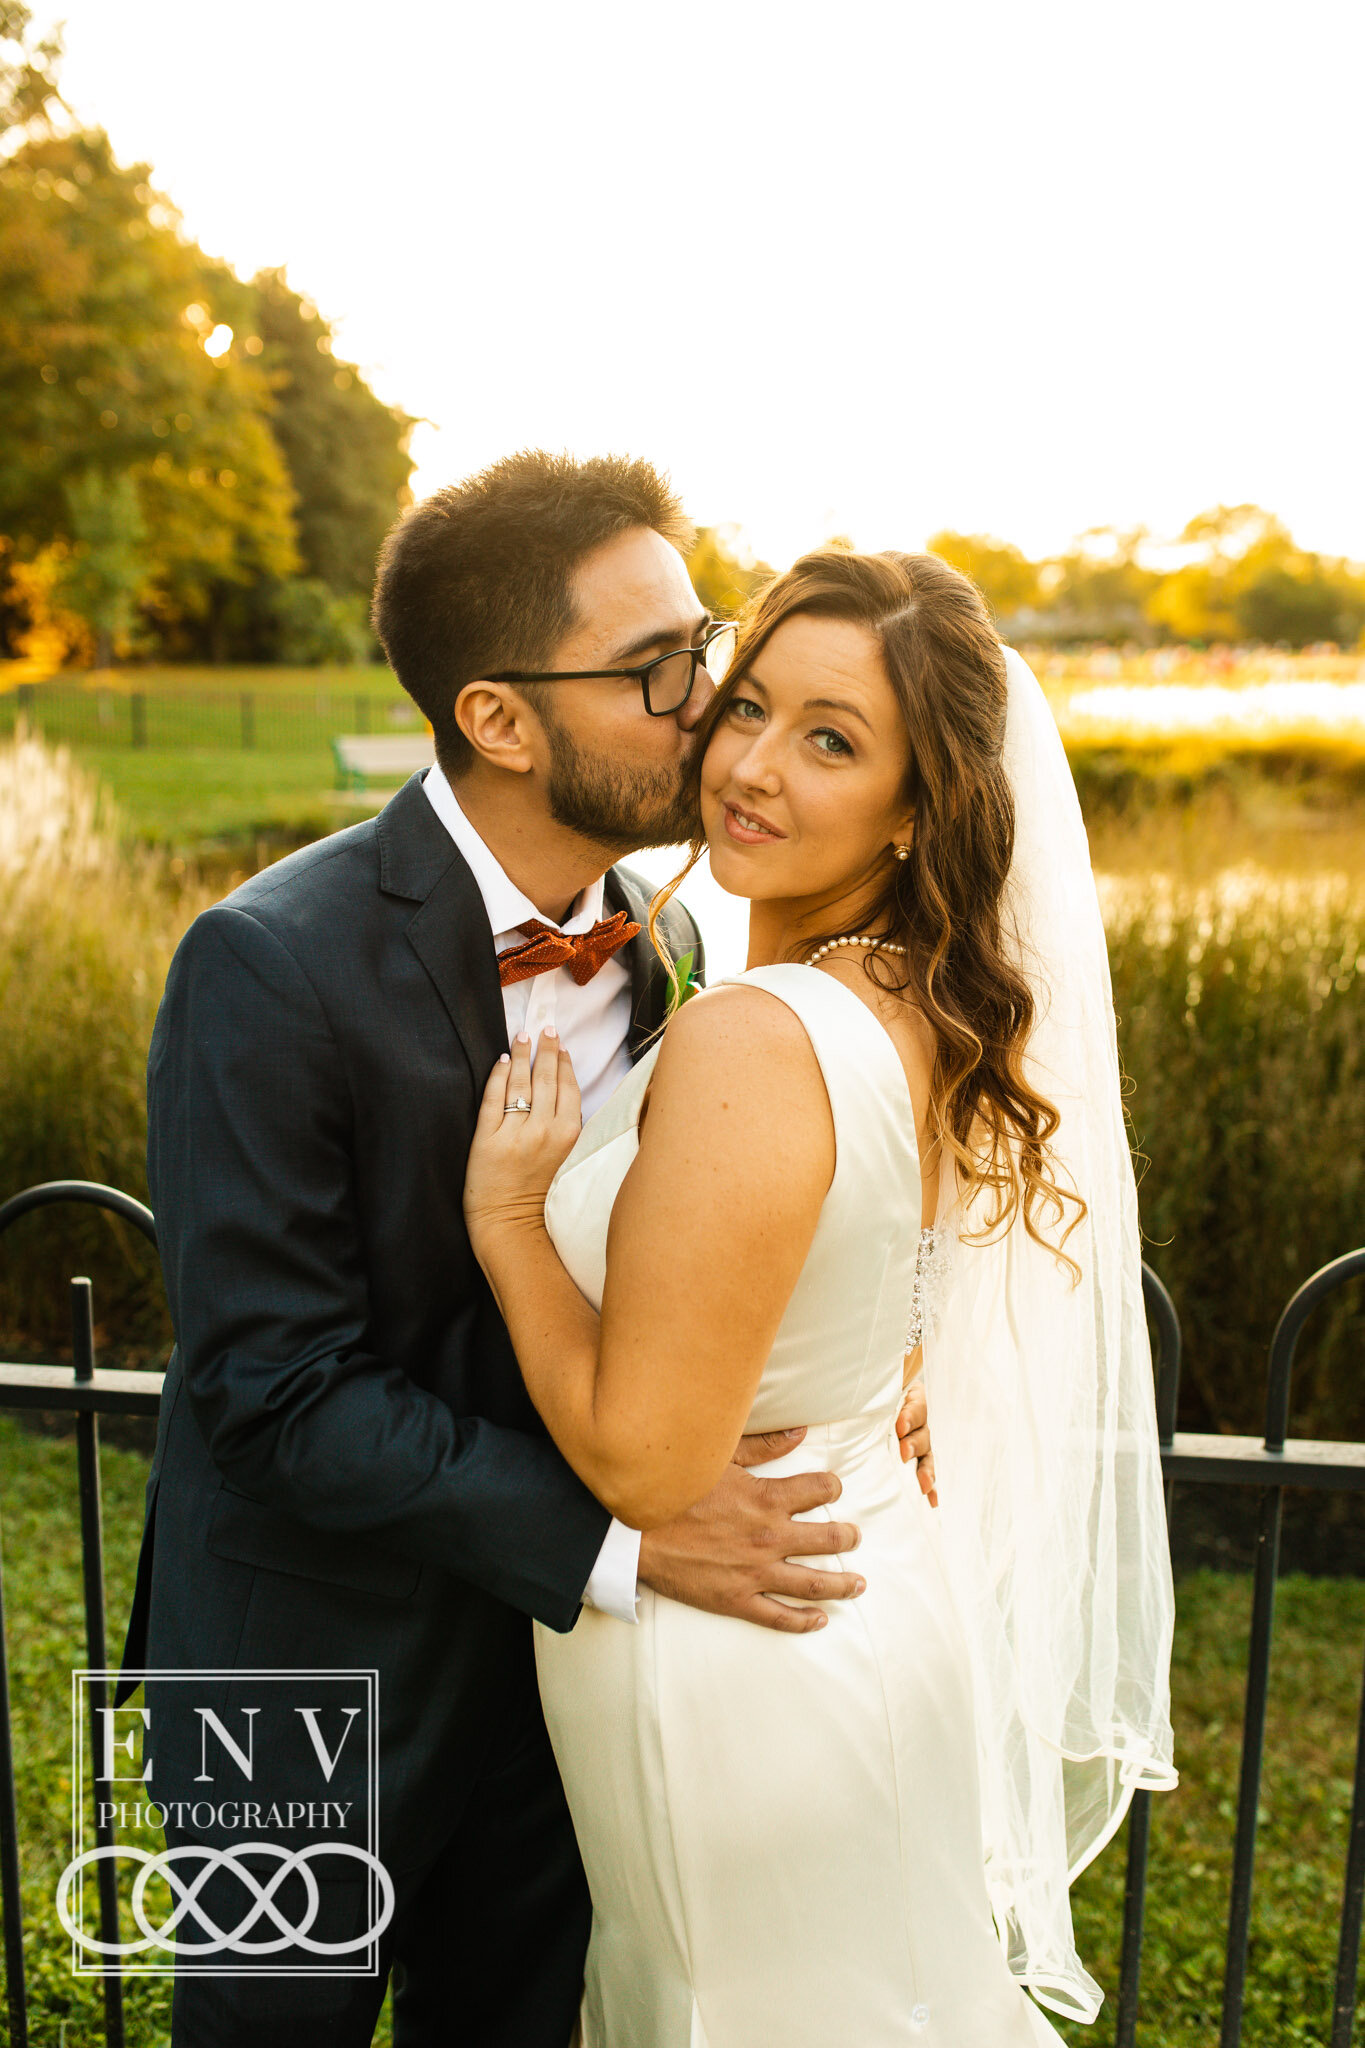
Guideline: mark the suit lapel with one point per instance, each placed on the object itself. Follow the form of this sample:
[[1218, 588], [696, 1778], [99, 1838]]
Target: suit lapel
[[648, 982], [450, 932], [451, 935]]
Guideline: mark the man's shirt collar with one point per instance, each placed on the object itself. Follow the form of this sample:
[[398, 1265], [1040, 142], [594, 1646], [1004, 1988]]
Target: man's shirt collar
[[508, 909]]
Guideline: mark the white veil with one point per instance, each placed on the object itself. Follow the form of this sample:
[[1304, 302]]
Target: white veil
[[1043, 1415]]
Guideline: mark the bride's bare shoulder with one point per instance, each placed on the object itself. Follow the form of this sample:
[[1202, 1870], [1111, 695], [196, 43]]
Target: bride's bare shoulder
[[742, 1011], [740, 1054]]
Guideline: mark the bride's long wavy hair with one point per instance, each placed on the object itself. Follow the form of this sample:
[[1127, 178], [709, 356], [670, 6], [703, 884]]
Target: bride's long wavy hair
[[945, 902]]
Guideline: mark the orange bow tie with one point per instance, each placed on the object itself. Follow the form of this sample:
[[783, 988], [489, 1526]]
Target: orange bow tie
[[583, 953]]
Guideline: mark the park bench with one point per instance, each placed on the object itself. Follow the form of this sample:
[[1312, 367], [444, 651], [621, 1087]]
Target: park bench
[[363, 758]]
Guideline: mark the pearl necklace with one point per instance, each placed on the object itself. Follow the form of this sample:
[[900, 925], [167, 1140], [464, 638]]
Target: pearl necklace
[[885, 946]]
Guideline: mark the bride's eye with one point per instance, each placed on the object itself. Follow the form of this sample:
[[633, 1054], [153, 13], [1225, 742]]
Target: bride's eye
[[740, 707], [840, 746]]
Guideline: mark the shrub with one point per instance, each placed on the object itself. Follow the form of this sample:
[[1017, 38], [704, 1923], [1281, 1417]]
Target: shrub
[[314, 625]]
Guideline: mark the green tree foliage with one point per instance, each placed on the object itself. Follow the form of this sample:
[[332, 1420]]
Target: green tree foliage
[[1100, 588], [28, 69], [1001, 572], [309, 624], [105, 313], [1244, 579], [724, 574], [1249, 580], [105, 570], [137, 373], [346, 450]]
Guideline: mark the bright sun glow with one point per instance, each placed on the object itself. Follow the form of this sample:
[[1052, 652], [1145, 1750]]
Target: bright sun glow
[[875, 270], [219, 342]]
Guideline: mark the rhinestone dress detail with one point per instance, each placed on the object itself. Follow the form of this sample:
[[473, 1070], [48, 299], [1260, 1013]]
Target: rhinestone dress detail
[[931, 1277]]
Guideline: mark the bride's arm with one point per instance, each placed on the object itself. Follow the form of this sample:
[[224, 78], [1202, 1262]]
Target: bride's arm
[[708, 1236]]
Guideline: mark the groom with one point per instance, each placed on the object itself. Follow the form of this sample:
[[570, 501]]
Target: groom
[[349, 1473]]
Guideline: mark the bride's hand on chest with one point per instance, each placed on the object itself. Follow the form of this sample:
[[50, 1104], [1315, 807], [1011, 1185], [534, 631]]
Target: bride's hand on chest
[[528, 1123]]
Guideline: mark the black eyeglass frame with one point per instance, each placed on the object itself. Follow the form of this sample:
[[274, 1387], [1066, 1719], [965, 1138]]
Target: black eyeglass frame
[[640, 673]]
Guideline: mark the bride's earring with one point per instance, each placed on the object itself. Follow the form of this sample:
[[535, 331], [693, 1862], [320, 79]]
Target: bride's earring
[[902, 853]]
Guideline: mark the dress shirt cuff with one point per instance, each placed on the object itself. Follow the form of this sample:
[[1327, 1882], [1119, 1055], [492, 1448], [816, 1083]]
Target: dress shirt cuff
[[612, 1588]]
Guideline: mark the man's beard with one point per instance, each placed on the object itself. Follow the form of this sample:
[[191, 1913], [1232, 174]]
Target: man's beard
[[617, 807]]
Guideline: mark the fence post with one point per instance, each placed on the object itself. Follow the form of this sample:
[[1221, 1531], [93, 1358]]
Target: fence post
[[92, 1573], [137, 715], [17, 1995], [362, 714], [1348, 1948], [24, 700], [1165, 1325], [248, 719]]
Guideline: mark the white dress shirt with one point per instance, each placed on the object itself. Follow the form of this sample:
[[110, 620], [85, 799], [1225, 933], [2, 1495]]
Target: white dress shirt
[[592, 1022]]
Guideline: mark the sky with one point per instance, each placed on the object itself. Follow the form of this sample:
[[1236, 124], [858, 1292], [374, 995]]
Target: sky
[[871, 268]]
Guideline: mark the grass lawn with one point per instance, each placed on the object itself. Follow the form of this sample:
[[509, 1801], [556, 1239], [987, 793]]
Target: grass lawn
[[46, 1638], [1301, 1842], [368, 678], [186, 798], [1305, 1796], [191, 782], [240, 753]]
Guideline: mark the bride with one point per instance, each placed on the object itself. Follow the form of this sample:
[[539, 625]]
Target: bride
[[895, 1141]]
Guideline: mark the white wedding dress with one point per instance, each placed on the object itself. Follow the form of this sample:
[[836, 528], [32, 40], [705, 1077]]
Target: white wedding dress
[[782, 1833]]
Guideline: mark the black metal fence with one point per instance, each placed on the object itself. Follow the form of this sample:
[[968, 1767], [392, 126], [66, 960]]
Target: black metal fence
[[1270, 1465], [88, 1393], [261, 719]]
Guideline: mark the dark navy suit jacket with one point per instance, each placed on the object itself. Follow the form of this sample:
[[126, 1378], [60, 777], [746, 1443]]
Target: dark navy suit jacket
[[349, 1471]]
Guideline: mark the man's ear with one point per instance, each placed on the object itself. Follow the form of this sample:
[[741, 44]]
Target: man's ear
[[499, 725]]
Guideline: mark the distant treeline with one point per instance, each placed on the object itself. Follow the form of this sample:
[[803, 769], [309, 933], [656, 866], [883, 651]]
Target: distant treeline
[[1240, 577]]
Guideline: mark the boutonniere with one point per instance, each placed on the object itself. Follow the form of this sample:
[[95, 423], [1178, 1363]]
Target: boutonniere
[[683, 984]]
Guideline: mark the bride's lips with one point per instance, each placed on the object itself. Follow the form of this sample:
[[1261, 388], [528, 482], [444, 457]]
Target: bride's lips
[[743, 833]]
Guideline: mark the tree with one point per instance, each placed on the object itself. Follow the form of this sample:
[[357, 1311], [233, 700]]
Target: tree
[[1293, 605], [28, 70], [1196, 601], [725, 574], [1001, 572], [1250, 580], [118, 353], [101, 578], [347, 451], [1100, 587], [140, 378]]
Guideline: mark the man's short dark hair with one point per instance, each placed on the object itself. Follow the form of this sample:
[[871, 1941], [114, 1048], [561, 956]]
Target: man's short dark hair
[[478, 578]]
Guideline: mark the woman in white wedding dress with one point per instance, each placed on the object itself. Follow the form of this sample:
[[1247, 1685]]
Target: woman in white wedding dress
[[904, 1114]]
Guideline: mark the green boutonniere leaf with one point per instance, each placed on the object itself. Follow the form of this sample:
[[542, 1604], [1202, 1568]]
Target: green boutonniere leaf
[[684, 984]]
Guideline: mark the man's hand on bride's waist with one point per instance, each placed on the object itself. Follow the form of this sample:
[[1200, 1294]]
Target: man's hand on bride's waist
[[730, 1553]]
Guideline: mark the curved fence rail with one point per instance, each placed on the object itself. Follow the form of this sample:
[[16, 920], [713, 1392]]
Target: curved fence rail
[[1272, 1464], [87, 1391]]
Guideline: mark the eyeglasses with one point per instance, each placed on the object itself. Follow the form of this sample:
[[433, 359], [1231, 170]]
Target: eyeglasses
[[666, 682]]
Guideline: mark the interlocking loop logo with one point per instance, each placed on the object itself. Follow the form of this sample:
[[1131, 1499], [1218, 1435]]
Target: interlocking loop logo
[[185, 1899]]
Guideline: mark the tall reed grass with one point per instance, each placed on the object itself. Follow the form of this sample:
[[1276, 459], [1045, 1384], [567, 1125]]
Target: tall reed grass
[[1241, 1018], [86, 934], [1241, 1004]]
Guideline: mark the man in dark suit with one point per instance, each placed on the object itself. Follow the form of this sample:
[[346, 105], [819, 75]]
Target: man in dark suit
[[349, 1473]]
